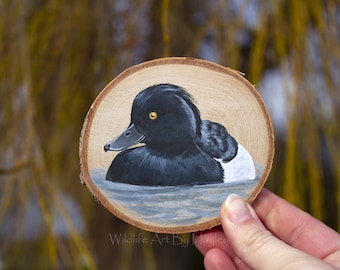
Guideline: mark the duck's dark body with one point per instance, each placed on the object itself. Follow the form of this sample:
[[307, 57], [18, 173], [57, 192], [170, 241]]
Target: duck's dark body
[[144, 166], [179, 147]]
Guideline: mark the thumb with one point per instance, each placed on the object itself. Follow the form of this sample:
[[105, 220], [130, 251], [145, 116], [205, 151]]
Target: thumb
[[255, 245]]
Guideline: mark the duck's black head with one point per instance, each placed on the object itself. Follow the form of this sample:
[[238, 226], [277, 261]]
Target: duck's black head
[[166, 115]]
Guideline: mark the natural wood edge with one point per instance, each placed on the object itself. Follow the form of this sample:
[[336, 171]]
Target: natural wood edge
[[83, 146]]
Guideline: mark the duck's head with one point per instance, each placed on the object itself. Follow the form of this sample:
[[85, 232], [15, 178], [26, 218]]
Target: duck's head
[[163, 117]]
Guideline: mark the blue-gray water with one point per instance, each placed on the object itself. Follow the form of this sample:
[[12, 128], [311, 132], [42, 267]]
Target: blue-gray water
[[171, 206]]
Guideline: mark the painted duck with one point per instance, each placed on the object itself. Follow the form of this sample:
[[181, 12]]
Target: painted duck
[[180, 148]]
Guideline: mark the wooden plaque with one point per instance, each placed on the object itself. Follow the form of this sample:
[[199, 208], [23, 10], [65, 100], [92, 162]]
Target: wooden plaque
[[222, 96]]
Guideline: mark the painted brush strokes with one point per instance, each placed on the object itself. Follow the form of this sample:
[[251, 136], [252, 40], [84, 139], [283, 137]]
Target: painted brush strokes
[[172, 206]]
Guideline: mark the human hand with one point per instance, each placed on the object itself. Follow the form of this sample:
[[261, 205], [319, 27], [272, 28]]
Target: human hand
[[272, 234]]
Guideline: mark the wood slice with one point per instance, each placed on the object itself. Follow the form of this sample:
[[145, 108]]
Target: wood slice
[[222, 95]]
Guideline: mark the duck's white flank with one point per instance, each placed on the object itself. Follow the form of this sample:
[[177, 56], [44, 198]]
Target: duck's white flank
[[241, 167]]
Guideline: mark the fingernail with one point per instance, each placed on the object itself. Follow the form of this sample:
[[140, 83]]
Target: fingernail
[[236, 209]]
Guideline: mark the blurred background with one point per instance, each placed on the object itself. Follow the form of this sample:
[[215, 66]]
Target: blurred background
[[56, 56]]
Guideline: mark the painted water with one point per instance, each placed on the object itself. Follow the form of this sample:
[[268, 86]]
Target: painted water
[[172, 206]]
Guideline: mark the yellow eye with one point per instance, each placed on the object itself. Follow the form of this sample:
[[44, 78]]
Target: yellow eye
[[153, 115]]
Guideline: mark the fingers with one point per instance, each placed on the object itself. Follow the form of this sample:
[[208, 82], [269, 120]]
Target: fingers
[[296, 227], [214, 245], [213, 238], [255, 245], [216, 259]]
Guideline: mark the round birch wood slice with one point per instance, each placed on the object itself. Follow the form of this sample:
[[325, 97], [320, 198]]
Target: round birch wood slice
[[222, 95]]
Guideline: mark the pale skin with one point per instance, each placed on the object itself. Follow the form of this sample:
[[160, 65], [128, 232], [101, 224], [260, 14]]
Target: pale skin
[[270, 234]]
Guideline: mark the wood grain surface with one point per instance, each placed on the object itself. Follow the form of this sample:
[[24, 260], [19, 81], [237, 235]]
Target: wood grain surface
[[221, 94]]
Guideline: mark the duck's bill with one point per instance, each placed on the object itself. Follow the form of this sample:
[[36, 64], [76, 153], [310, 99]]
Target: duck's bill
[[129, 137]]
